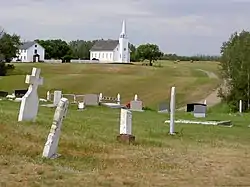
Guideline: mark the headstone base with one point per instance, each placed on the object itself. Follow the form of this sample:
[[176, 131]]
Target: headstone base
[[127, 138], [172, 134]]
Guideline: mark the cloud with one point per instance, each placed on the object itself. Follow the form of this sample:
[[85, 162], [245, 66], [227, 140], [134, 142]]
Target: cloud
[[185, 27]]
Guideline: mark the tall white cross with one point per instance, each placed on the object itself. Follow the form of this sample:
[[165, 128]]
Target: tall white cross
[[30, 101], [34, 79]]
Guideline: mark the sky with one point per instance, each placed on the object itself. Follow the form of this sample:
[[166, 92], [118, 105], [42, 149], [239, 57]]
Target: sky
[[184, 27]]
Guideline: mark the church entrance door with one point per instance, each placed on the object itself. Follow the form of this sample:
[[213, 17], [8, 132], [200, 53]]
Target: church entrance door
[[36, 58]]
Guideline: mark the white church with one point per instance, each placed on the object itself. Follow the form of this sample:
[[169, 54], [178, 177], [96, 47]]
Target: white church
[[30, 52], [112, 50]]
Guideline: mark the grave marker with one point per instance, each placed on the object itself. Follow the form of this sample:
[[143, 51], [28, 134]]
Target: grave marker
[[81, 105], [126, 127], [57, 97], [172, 111], [30, 102], [51, 145], [163, 107], [91, 100], [240, 106], [136, 106], [3, 93], [200, 111], [20, 93]]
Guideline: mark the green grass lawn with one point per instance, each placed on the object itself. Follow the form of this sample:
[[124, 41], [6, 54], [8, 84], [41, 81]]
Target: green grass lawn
[[91, 156], [152, 84], [199, 155]]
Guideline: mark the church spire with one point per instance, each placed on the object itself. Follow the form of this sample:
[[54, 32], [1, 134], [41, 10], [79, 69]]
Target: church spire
[[123, 33]]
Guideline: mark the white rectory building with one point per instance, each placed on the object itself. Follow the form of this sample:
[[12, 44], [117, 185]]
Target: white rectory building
[[30, 52], [112, 50]]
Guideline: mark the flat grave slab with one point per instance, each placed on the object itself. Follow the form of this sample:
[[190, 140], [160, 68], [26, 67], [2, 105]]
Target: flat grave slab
[[227, 123]]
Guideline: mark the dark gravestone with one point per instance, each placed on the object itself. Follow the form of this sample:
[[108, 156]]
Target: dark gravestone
[[200, 111], [163, 108], [3, 94], [20, 93], [190, 106]]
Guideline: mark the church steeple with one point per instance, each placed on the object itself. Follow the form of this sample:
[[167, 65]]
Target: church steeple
[[124, 52], [124, 32]]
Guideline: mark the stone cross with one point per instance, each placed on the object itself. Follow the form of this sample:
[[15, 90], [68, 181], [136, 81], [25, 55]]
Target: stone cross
[[240, 106], [172, 111], [136, 97], [118, 99], [30, 101], [51, 145]]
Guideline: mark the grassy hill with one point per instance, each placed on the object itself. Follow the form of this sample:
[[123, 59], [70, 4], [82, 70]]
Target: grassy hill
[[152, 84], [197, 156]]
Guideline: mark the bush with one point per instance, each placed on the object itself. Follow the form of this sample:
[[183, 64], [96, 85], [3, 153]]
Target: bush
[[4, 68]]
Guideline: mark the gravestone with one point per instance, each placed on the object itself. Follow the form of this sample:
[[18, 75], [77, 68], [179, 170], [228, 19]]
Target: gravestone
[[126, 127], [172, 112], [57, 97], [163, 107], [118, 99], [91, 100], [51, 145], [136, 97], [30, 102], [3, 93], [200, 111], [20, 93], [136, 106], [240, 106], [48, 95], [81, 106], [190, 106]]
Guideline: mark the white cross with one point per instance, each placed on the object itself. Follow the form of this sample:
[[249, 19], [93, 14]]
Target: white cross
[[34, 78]]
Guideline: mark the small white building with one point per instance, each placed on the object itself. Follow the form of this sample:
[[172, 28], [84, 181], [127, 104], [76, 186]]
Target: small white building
[[112, 50], [30, 52]]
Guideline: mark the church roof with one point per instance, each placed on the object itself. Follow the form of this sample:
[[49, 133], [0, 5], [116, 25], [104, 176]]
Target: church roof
[[105, 45], [27, 45]]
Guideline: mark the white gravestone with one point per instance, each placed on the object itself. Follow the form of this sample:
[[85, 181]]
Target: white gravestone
[[118, 99], [240, 106], [172, 111], [100, 97], [57, 97], [136, 97], [50, 148], [81, 105], [30, 101], [48, 96], [126, 122]]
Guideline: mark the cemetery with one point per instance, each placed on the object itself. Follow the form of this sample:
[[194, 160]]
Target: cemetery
[[95, 130]]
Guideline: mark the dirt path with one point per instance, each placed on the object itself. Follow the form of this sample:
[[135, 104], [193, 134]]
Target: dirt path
[[212, 99]]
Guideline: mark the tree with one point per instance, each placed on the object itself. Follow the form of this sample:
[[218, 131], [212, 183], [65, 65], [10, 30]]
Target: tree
[[80, 48], [55, 49], [235, 69], [133, 56], [9, 45], [149, 52], [8, 49]]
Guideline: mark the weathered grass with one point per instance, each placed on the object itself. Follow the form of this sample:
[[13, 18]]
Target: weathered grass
[[197, 156], [91, 156]]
